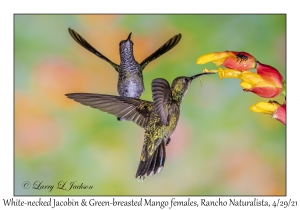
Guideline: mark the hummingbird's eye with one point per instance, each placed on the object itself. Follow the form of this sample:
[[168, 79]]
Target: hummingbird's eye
[[185, 79]]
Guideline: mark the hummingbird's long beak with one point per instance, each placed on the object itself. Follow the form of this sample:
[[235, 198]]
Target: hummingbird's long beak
[[129, 36], [198, 75]]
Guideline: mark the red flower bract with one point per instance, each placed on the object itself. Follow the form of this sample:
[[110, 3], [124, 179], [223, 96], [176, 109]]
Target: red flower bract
[[267, 83], [280, 114], [269, 73], [241, 61]]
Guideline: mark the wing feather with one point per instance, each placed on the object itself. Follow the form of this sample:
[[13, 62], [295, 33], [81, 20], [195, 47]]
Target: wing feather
[[132, 109], [161, 93], [80, 40], [163, 49]]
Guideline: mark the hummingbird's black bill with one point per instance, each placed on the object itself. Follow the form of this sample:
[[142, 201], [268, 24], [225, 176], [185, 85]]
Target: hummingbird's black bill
[[129, 36], [198, 75]]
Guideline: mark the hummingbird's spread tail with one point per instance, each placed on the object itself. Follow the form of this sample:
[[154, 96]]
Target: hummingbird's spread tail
[[154, 164]]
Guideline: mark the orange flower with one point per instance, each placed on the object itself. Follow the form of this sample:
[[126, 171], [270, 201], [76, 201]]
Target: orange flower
[[241, 61], [267, 82], [273, 108]]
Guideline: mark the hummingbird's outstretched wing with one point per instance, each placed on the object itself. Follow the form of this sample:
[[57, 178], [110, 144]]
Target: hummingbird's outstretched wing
[[163, 49], [90, 48], [161, 95], [130, 109], [154, 163]]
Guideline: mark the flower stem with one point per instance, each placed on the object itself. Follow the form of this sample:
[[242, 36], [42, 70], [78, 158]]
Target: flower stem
[[283, 92]]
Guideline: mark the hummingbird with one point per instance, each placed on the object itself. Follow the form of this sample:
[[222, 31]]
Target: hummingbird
[[130, 81], [158, 118]]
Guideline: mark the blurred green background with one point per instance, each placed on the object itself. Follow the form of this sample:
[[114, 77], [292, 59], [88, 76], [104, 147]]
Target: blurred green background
[[219, 147]]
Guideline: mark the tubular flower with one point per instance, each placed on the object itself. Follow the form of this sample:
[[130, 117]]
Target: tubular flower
[[226, 73], [273, 108], [241, 61], [266, 83]]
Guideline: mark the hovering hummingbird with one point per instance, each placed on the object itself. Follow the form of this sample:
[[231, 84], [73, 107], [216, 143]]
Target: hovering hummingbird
[[130, 82], [159, 118]]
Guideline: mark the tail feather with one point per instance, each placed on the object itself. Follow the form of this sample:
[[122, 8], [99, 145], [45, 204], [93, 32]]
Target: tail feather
[[161, 157], [143, 167], [154, 164], [151, 169]]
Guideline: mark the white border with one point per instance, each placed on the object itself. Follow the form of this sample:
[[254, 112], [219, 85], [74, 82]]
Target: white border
[[6, 71]]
